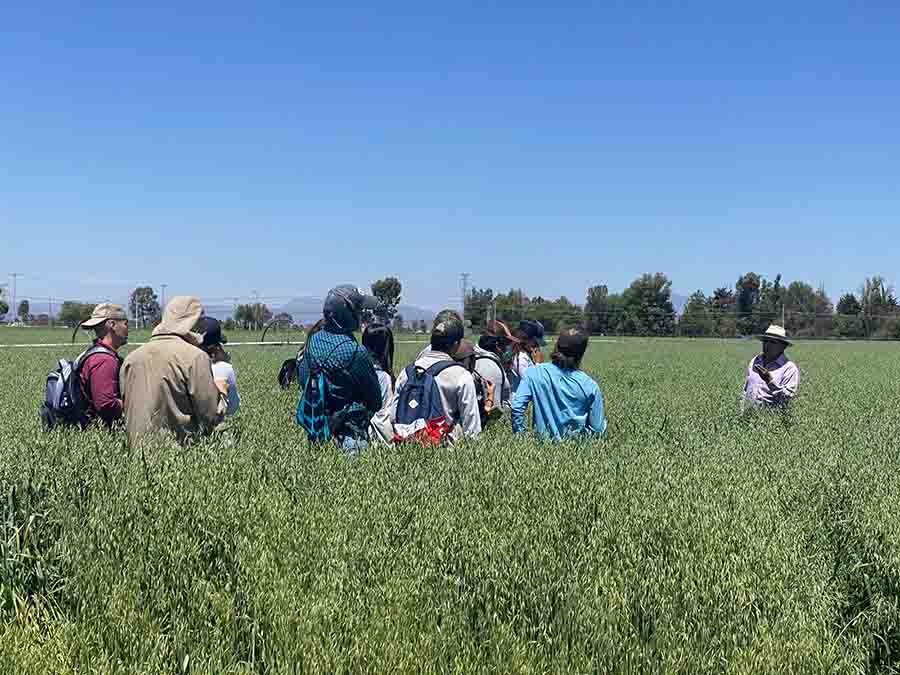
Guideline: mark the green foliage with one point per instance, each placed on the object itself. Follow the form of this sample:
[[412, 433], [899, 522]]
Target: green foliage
[[689, 540], [72, 313], [647, 306], [388, 291], [252, 316], [143, 306]]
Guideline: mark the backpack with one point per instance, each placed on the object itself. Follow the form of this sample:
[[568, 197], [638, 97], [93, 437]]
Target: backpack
[[312, 412], [504, 382], [420, 410], [288, 373], [65, 401]]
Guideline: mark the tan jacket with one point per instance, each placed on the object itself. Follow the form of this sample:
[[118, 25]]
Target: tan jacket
[[168, 383]]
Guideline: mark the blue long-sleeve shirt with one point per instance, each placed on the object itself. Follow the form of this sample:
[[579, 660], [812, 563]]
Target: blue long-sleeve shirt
[[566, 402]]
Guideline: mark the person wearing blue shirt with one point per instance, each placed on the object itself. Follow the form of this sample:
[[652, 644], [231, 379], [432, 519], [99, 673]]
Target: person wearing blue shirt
[[567, 402]]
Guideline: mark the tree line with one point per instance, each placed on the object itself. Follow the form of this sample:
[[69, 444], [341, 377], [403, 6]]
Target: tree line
[[645, 308]]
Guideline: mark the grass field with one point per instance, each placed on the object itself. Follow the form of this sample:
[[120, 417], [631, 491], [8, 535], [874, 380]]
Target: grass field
[[689, 540]]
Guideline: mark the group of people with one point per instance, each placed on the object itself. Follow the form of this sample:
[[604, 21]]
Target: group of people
[[181, 382]]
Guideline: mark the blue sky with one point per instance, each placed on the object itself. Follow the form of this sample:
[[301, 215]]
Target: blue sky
[[286, 148]]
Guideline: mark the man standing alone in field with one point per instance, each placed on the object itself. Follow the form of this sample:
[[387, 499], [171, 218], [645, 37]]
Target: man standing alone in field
[[772, 378], [168, 382]]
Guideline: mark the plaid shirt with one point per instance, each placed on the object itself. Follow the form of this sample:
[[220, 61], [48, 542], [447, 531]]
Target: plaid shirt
[[352, 383]]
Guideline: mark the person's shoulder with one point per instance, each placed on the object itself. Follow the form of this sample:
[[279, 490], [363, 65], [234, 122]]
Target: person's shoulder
[[586, 379], [223, 368]]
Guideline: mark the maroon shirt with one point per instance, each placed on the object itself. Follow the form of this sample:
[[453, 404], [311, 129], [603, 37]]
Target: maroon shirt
[[100, 383]]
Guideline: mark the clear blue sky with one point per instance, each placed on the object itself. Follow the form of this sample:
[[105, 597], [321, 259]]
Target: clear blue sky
[[286, 148]]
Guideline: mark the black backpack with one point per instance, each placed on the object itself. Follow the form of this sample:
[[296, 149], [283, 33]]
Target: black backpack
[[65, 401]]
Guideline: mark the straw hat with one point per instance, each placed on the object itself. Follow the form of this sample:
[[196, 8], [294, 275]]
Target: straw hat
[[775, 334]]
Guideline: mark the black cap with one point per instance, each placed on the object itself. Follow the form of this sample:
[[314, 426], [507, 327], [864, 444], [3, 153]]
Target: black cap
[[534, 330], [343, 306], [211, 330], [448, 325], [572, 343]]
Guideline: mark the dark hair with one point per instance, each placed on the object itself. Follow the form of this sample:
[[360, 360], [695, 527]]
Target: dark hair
[[560, 360], [525, 340], [493, 343], [379, 340], [443, 343]]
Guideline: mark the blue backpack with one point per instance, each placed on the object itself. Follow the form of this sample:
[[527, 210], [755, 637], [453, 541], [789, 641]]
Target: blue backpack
[[312, 413], [420, 398]]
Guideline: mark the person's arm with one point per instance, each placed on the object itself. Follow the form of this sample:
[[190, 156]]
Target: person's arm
[[787, 390], [596, 422], [234, 398], [469, 416], [104, 387], [209, 403], [520, 402], [369, 389]]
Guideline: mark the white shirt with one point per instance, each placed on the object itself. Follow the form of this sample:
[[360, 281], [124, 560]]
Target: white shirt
[[517, 369], [387, 389], [223, 370], [488, 366], [785, 380], [458, 395]]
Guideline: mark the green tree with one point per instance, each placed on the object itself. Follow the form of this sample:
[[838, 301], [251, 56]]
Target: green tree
[[746, 301], [71, 313], [723, 304], [397, 325], [848, 305], [4, 307], [388, 291], [596, 310], [478, 304], [647, 306], [24, 311], [697, 319], [252, 316], [512, 307], [143, 306]]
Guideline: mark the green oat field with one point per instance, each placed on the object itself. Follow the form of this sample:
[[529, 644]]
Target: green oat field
[[690, 540]]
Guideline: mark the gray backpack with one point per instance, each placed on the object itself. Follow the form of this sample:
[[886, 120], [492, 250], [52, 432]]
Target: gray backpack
[[65, 401]]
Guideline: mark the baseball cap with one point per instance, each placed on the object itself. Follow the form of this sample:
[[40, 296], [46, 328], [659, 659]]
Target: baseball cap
[[348, 295], [211, 329], [534, 330], [104, 312], [572, 343]]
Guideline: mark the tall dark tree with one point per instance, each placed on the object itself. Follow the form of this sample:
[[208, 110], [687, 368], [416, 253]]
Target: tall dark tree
[[388, 291], [596, 310], [479, 303], [746, 301], [143, 305], [697, 319], [647, 306], [24, 311]]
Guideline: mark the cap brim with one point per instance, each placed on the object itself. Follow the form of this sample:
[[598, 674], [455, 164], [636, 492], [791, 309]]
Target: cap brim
[[92, 323]]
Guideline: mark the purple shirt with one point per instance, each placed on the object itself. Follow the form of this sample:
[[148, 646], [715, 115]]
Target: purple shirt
[[783, 387]]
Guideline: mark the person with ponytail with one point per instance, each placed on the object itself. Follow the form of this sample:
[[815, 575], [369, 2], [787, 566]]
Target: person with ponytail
[[567, 402]]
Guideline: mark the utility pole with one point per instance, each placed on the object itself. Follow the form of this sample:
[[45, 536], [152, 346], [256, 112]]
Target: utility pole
[[50, 303], [163, 295], [464, 287], [14, 276]]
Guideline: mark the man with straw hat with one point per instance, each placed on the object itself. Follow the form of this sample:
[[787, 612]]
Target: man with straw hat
[[168, 382], [772, 378], [99, 366]]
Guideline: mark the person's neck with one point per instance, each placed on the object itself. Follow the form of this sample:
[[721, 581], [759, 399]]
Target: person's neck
[[109, 343]]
